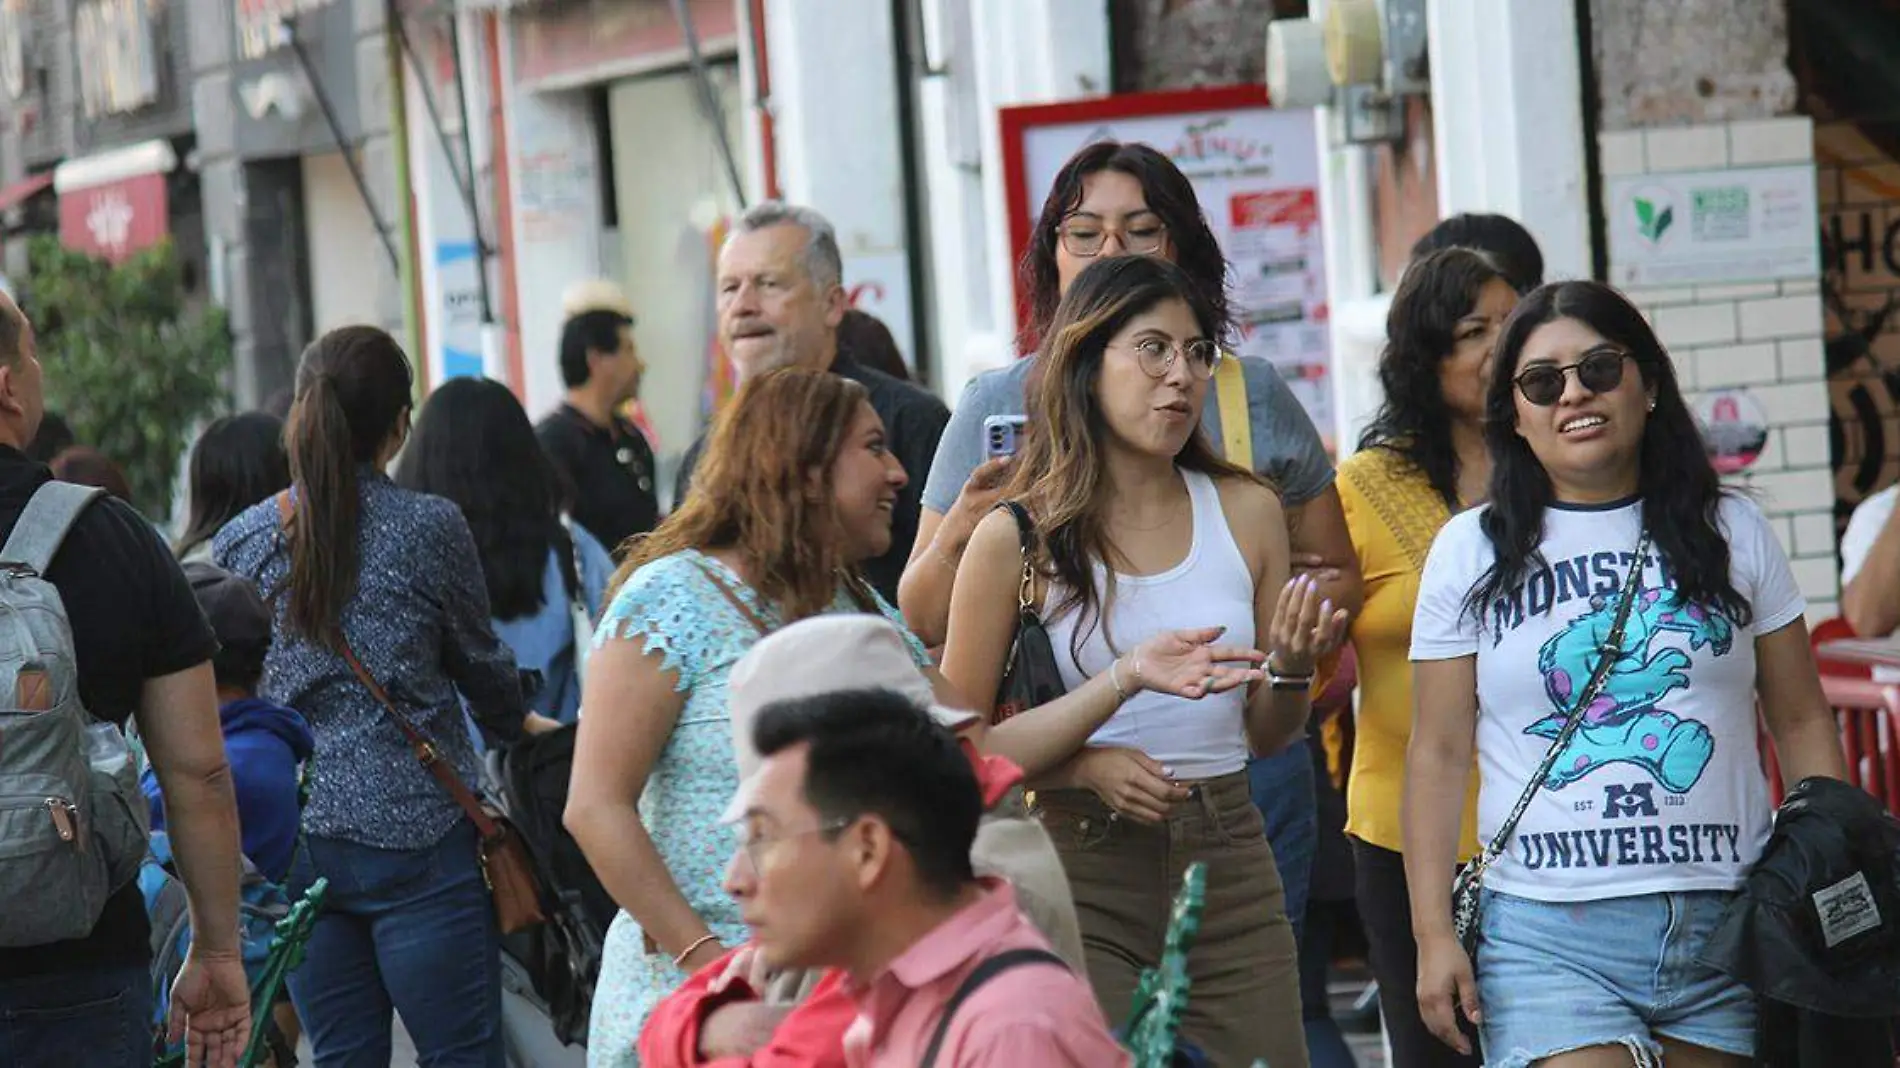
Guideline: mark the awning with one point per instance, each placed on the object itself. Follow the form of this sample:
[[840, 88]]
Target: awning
[[115, 203], [132, 161], [19, 191]]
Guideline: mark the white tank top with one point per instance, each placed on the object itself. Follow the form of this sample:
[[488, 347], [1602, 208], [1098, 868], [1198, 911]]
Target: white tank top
[[1212, 587]]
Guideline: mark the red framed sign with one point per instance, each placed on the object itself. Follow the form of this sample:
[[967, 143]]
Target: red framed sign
[[1256, 171]]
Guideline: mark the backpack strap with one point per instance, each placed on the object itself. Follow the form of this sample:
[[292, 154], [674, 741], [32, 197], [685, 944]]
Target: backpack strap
[[1236, 428], [981, 974], [42, 527]]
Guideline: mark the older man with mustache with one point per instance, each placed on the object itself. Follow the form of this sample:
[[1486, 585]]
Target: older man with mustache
[[780, 299]]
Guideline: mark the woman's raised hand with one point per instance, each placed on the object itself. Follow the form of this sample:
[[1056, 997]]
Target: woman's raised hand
[[1187, 663], [1306, 627]]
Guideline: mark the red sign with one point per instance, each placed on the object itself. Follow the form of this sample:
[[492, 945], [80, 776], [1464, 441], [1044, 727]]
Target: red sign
[[115, 219], [581, 43], [1274, 207]]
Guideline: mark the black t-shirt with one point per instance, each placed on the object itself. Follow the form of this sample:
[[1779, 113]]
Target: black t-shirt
[[134, 618], [610, 470], [914, 419]]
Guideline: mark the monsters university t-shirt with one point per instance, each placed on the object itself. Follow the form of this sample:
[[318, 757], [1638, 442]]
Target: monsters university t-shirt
[[1661, 788]]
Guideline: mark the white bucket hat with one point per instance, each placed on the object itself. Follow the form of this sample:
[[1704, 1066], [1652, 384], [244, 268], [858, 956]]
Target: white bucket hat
[[823, 654]]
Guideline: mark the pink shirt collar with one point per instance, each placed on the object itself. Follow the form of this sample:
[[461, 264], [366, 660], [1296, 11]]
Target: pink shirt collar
[[970, 933]]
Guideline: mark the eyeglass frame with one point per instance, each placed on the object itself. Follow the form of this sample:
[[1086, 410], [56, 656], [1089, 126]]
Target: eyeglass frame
[[751, 845], [1062, 238], [1177, 350], [1621, 354]]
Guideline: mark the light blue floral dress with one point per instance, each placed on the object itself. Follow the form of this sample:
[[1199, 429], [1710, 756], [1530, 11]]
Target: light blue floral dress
[[675, 606]]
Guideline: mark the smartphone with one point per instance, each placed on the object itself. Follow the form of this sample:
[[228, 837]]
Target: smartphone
[[1003, 435]]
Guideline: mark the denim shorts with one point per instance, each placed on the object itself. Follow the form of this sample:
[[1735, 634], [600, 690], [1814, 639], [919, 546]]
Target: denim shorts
[[1560, 976]]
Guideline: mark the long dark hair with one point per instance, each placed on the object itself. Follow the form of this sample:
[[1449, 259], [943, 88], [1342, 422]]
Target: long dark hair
[[1421, 329], [238, 461], [1061, 473], [1680, 490], [353, 387], [1169, 195], [473, 444]]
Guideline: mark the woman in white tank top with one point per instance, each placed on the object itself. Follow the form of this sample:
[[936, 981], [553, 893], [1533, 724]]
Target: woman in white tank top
[[1162, 574]]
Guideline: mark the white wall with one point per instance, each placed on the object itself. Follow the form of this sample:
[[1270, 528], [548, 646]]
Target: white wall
[[341, 238], [671, 186], [990, 54], [1507, 107], [1763, 340], [554, 212], [834, 104]]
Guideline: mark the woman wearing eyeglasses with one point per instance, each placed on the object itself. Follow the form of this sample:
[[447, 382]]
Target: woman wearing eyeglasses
[[1650, 813], [1160, 571], [1111, 199]]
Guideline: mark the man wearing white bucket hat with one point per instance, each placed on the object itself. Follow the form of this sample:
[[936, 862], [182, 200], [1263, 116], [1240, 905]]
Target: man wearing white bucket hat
[[804, 1015]]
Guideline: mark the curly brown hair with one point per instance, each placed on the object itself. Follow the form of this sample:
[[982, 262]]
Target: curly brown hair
[[753, 491]]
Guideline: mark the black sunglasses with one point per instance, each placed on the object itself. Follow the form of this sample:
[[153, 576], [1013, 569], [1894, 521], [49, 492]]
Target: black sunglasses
[[1599, 372]]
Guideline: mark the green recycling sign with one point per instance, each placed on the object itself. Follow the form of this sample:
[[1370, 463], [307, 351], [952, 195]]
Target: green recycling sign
[[1739, 224]]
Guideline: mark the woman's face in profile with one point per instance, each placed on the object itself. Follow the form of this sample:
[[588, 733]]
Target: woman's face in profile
[[1464, 373], [865, 480]]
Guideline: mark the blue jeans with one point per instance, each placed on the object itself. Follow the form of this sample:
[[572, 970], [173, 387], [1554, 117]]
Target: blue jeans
[[408, 930], [1555, 977], [98, 1018], [1282, 786]]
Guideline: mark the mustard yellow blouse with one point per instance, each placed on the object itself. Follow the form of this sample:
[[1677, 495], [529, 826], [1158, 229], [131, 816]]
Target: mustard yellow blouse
[[1393, 514]]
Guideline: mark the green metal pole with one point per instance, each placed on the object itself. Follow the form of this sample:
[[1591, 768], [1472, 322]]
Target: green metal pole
[[405, 213]]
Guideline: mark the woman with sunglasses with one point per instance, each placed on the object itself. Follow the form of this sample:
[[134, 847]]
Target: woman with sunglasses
[[1160, 570], [1652, 811]]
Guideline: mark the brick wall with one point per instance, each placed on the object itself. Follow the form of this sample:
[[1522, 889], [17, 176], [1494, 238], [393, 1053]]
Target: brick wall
[[1762, 337]]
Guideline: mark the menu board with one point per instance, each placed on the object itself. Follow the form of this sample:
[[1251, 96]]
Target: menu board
[[1255, 169]]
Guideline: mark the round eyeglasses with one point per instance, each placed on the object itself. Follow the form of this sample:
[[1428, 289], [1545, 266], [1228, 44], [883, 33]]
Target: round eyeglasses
[[1087, 237], [1600, 371], [1157, 356]]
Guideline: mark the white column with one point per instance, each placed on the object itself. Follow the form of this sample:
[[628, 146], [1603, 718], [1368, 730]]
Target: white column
[[990, 54], [1507, 107], [555, 216], [1348, 231], [834, 106]]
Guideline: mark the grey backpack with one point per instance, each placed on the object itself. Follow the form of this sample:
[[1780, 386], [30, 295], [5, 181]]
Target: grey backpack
[[73, 824]]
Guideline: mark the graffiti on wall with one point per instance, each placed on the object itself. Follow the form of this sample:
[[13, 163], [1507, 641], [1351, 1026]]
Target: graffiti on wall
[[1859, 185]]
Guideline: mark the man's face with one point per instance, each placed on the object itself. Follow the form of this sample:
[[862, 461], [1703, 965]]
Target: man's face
[[771, 312], [795, 877], [22, 392], [622, 367]]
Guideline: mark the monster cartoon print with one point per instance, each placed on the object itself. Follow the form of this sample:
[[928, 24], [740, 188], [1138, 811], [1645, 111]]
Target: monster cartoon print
[[1625, 724]]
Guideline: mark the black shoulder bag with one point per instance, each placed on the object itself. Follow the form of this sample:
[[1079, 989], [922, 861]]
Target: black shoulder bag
[[1030, 676]]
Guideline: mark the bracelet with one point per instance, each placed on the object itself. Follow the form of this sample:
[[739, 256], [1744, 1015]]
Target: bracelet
[[1289, 682], [680, 961], [1134, 660], [1115, 679]]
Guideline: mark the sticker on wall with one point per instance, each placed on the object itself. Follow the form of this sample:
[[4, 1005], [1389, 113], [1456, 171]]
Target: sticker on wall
[[1733, 428]]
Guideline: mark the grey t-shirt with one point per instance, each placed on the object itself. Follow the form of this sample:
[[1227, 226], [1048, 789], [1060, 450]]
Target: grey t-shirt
[[1286, 448]]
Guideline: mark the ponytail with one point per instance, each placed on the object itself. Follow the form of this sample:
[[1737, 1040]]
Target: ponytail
[[352, 389], [323, 559]]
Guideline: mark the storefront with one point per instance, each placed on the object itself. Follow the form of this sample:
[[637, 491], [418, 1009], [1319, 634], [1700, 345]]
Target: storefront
[[616, 169], [301, 211]]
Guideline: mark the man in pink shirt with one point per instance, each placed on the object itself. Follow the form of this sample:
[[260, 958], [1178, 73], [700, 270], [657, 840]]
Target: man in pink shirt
[[856, 855]]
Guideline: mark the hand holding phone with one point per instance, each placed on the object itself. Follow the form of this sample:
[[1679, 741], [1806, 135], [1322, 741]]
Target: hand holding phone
[[1003, 435]]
